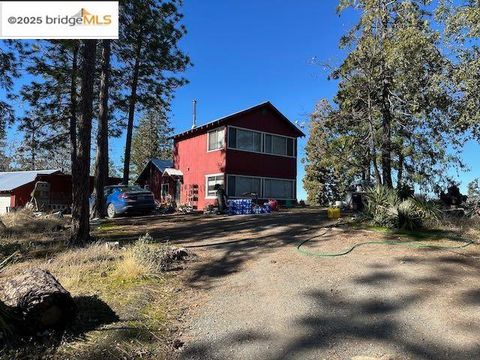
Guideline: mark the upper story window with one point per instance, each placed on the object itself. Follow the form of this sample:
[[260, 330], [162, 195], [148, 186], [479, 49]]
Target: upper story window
[[249, 140], [245, 139], [279, 145], [216, 139]]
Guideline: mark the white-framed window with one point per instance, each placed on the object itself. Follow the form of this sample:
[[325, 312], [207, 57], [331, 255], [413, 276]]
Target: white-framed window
[[266, 188], [211, 181], [261, 142], [244, 186], [279, 145], [245, 139], [278, 189], [216, 139]]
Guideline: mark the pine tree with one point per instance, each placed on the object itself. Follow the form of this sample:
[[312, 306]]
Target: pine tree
[[150, 57], [9, 64], [334, 156], [50, 97], [392, 94], [101, 161], [151, 139], [81, 208], [462, 29], [9, 70]]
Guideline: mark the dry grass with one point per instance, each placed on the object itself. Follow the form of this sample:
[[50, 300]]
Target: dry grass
[[130, 268], [24, 222], [35, 236], [125, 312], [469, 227]]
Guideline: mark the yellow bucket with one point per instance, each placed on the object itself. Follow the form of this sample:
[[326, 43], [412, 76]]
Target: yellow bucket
[[333, 213]]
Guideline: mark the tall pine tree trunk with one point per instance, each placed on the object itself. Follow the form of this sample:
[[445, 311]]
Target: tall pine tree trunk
[[385, 104], [80, 209], [401, 161], [101, 161], [131, 112], [373, 147], [73, 118], [386, 138]]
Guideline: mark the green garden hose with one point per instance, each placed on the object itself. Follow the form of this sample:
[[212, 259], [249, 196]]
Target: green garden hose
[[411, 244]]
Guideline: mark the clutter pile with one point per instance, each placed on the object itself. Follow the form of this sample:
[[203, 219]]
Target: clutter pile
[[246, 207]]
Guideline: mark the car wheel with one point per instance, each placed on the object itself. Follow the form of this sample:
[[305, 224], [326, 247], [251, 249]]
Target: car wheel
[[111, 211]]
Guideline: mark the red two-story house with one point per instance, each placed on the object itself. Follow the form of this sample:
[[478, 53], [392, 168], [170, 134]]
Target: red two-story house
[[251, 151]]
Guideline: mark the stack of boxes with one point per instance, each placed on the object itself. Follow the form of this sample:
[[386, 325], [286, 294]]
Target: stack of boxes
[[240, 207], [245, 207]]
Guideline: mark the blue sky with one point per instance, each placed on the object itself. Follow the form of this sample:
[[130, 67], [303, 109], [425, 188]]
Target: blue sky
[[247, 52]]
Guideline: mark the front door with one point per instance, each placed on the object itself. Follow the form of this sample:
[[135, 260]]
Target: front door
[[164, 192]]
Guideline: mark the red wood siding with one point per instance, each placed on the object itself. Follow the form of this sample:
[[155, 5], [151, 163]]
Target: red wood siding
[[195, 162], [264, 120], [264, 165], [60, 189], [155, 179]]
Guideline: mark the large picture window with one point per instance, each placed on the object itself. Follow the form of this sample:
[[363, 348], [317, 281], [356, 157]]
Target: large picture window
[[255, 141], [265, 188], [278, 189], [239, 186], [279, 145], [245, 140], [213, 180], [216, 139]]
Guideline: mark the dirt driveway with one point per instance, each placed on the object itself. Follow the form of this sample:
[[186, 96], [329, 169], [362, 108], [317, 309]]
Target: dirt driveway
[[258, 298]]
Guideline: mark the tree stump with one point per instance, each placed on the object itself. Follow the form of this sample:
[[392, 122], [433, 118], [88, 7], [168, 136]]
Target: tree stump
[[40, 300]]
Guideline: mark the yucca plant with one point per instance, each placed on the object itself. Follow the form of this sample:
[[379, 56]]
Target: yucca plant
[[385, 208], [381, 206]]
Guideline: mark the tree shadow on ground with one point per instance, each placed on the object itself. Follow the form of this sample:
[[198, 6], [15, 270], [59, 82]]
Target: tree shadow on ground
[[266, 234], [346, 323]]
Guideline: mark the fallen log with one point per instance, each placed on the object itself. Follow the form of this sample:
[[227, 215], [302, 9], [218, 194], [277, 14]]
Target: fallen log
[[40, 300]]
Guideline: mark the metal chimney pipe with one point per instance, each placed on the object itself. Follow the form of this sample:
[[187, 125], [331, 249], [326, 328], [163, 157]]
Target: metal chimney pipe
[[194, 114]]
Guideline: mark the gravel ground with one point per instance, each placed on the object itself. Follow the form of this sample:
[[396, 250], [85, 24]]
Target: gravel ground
[[258, 298]]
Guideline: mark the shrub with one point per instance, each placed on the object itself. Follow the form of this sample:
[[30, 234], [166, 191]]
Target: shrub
[[155, 258], [146, 257], [385, 208], [381, 206]]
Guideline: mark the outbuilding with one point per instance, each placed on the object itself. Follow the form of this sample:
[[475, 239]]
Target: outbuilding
[[16, 187]]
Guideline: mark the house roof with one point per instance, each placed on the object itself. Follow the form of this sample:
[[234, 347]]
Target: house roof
[[160, 164], [173, 172], [14, 179], [224, 119]]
